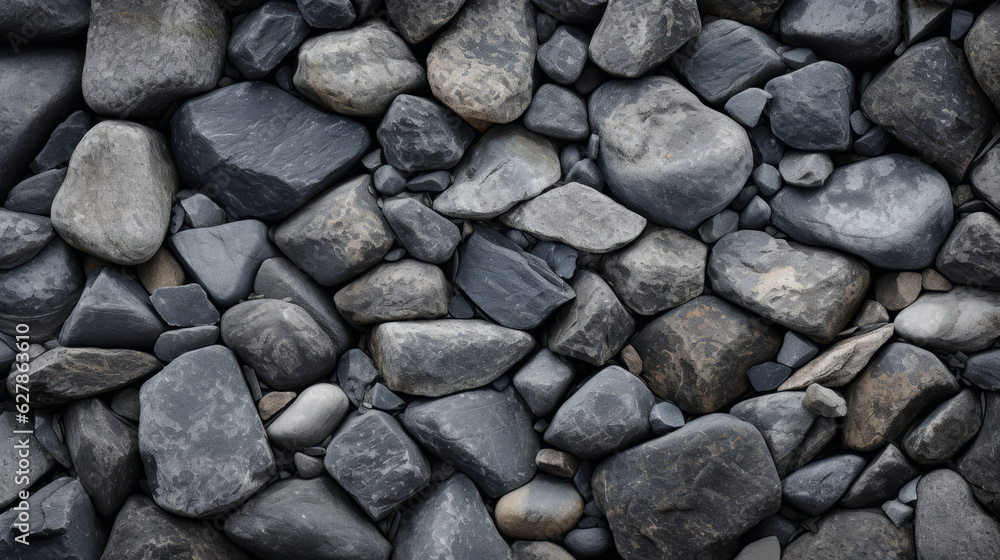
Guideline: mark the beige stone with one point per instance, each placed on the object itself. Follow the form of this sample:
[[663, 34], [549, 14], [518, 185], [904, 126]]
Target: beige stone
[[839, 364], [161, 271], [541, 509]]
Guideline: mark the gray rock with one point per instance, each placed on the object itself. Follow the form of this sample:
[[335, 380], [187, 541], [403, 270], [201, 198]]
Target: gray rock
[[796, 350], [948, 89], [689, 493], [949, 523], [696, 356], [452, 523], [838, 365], [984, 176], [983, 370], [719, 226], [265, 37], [260, 152], [311, 417], [756, 215], [172, 344], [564, 54], [374, 460], [143, 528], [278, 278], [22, 236], [105, 453], [469, 428], [425, 234], [418, 134], [389, 181], [417, 20], [40, 88], [64, 375], [943, 432], [805, 169], [608, 413], [381, 397], [634, 36], [63, 525], [64, 139], [894, 211], [963, 320], [115, 201], [589, 543], [184, 306], [223, 457], [144, 54], [557, 112], [22, 21], [560, 258], [768, 375], [727, 58], [758, 13], [816, 487], [355, 372], [543, 508], [543, 380], [900, 382], [810, 109], [401, 290], [866, 533], [224, 259], [303, 354], [873, 143], [507, 165], [307, 466], [921, 18], [113, 312], [539, 550], [978, 465], [434, 358], [514, 288], [783, 421], [824, 402], [908, 493], [12, 476], [980, 47], [53, 443], [969, 256], [298, 519], [665, 417], [358, 71], [847, 31], [747, 106], [897, 290], [481, 66], [338, 235], [200, 211], [594, 326], [34, 195], [328, 14], [586, 172], [881, 479], [434, 182], [711, 155]]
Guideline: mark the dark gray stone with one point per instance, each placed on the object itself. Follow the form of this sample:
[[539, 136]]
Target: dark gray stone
[[264, 37], [572, 11], [873, 143], [847, 31], [866, 533], [52, 442], [105, 453], [307, 466], [796, 350], [11, 480], [768, 376], [711, 154], [747, 106], [328, 14], [564, 54], [175, 343], [983, 370], [943, 432], [727, 58], [894, 211], [389, 181], [665, 417], [223, 457], [557, 112], [560, 258], [63, 524], [810, 109], [22, 236], [543, 380], [395, 291], [417, 20], [690, 493], [783, 421], [719, 226], [259, 151], [978, 465], [594, 326], [756, 215], [296, 519], [200, 211], [433, 182], [816, 487], [758, 13], [418, 134], [310, 419], [805, 169], [425, 234], [62, 142], [467, 429], [984, 176], [949, 523], [381, 397], [969, 254], [64, 375], [34, 195], [113, 312], [22, 21], [981, 48], [355, 372], [881, 479], [635, 36], [586, 172], [400, 470], [184, 306]]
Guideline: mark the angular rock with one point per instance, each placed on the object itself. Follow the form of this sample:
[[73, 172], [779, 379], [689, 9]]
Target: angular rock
[[417, 20], [63, 524], [810, 109], [853, 32], [758, 13], [184, 306], [541, 509], [796, 350], [418, 134], [105, 453], [558, 463], [978, 465], [866, 533], [328, 14], [200, 211], [816, 487], [697, 355], [984, 176], [161, 271], [881, 479], [34, 195], [898, 290], [397, 291], [113, 312], [784, 423], [564, 55], [839, 364], [310, 418], [11, 480], [824, 402], [23, 20], [594, 326], [949, 523], [543, 380], [727, 58], [539, 550], [355, 372], [174, 343], [747, 106], [981, 48], [635, 36], [969, 255], [557, 112], [265, 37], [64, 375], [768, 375], [143, 55], [22, 236], [425, 234], [963, 320], [62, 142], [943, 432], [805, 169]]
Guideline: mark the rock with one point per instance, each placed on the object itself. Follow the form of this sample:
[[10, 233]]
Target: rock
[[816, 487], [940, 435], [481, 66], [22, 236], [560, 258], [405, 289], [328, 14], [280, 341], [452, 523], [768, 375], [813, 291], [125, 403], [805, 169], [24, 20], [418, 134], [400, 469], [514, 288], [768, 548], [810, 109], [691, 492], [981, 48], [64, 139], [711, 155], [312, 518], [64, 375], [105, 453], [962, 320], [839, 364], [852, 32], [143, 528], [747, 106], [758, 13], [207, 471], [589, 543], [921, 18], [968, 256], [608, 413], [355, 372], [63, 525], [978, 465], [594, 326], [719, 226], [572, 11], [543, 380], [984, 176], [983, 370], [389, 181], [933, 281], [897, 290], [265, 37], [259, 151], [278, 278], [310, 418], [697, 355], [557, 463], [634, 37], [434, 182], [307, 466], [357, 72], [824, 402], [143, 55], [184, 306], [338, 235], [783, 421], [950, 88], [541, 509], [564, 55], [507, 165], [539, 550], [34, 195], [665, 417], [115, 201], [467, 429], [899, 383], [41, 87], [434, 358], [872, 313], [274, 402], [161, 271], [949, 523], [557, 112], [908, 493], [796, 350], [417, 20], [727, 58], [172, 344], [425, 234], [113, 312], [12, 482], [881, 479], [200, 211], [756, 214], [865, 533]]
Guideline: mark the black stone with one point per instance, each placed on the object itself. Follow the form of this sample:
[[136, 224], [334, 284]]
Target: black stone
[[810, 109], [184, 306], [418, 134], [105, 453], [62, 142], [563, 55], [63, 525], [175, 343], [557, 112], [113, 312], [34, 195], [355, 373], [264, 37]]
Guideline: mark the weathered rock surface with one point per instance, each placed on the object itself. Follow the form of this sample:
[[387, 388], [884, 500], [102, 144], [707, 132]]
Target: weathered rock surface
[[67, 374], [634, 36], [963, 320], [594, 326], [397, 291]]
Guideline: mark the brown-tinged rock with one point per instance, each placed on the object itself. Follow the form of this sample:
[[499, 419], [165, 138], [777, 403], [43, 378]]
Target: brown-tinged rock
[[541, 509], [557, 463], [63, 374], [840, 363], [160, 271], [273, 403]]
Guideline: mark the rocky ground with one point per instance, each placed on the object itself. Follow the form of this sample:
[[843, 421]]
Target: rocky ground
[[499, 279]]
